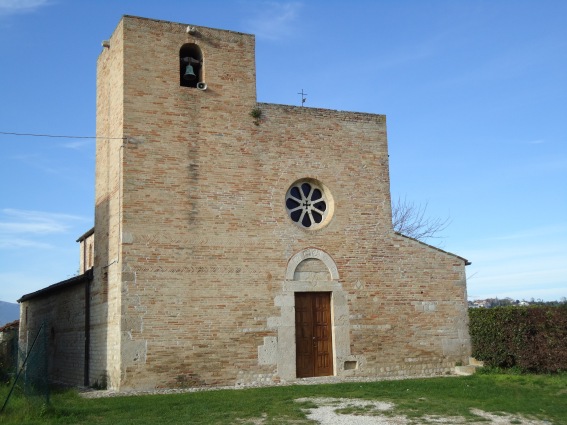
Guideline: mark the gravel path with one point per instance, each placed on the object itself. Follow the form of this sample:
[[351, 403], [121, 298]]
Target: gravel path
[[91, 393], [368, 412]]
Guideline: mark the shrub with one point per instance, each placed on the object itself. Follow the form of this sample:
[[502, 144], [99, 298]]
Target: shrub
[[532, 339]]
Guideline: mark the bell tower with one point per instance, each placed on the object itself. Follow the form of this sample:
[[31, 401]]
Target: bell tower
[[170, 97]]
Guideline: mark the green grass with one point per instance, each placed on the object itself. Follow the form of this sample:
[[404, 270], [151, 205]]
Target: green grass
[[532, 396]]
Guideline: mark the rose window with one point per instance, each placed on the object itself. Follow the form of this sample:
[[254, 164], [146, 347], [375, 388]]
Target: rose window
[[308, 203]]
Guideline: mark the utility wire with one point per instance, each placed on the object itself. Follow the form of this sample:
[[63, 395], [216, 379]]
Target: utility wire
[[61, 137]]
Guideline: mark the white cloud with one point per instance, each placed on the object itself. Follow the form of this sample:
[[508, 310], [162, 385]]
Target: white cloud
[[15, 243], [78, 144], [274, 20], [407, 54], [10, 7], [21, 228], [529, 263], [533, 233], [36, 161]]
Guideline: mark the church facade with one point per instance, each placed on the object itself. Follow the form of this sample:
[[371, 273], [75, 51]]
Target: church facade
[[238, 242]]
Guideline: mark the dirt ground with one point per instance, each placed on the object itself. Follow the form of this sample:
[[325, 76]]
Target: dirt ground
[[337, 411]]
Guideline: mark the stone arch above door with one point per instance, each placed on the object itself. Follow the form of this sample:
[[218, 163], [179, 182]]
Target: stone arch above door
[[312, 269], [294, 265]]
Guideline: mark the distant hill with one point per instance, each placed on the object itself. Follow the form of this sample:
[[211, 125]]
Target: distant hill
[[8, 312]]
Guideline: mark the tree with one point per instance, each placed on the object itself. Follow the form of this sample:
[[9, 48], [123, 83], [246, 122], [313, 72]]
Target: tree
[[411, 220]]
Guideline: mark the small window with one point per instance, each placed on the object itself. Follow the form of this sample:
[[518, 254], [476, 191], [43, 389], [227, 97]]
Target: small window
[[190, 65], [90, 258]]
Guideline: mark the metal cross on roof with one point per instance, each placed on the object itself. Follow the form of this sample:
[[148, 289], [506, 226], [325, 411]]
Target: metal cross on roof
[[303, 98]]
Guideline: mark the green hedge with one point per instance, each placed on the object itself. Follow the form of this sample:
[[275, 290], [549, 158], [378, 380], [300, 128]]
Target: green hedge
[[532, 339]]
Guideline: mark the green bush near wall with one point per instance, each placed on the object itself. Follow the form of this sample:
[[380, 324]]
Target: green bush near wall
[[531, 339]]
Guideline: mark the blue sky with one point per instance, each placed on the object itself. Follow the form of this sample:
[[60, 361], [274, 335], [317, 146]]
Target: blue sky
[[475, 94]]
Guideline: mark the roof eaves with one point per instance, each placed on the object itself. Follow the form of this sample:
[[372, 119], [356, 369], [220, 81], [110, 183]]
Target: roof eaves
[[85, 235], [467, 262], [10, 326], [85, 277]]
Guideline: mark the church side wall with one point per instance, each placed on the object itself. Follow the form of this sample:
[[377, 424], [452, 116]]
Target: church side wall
[[411, 312], [63, 317]]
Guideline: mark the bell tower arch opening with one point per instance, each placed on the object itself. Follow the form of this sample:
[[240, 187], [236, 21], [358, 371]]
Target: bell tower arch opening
[[190, 65]]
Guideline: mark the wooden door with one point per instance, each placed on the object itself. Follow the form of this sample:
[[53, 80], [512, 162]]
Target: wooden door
[[314, 344]]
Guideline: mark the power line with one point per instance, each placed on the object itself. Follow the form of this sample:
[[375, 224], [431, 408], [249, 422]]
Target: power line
[[61, 136]]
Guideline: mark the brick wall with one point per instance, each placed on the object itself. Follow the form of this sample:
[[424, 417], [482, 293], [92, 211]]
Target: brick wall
[[62, 314]]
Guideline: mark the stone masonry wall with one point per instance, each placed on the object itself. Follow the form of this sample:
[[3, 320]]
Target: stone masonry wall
[[106, 288], [86, 253]]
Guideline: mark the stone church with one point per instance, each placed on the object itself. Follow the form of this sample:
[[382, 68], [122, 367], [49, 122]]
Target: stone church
[[238, 242]]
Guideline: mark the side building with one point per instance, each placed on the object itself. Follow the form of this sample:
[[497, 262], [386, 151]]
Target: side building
[[240, 242]]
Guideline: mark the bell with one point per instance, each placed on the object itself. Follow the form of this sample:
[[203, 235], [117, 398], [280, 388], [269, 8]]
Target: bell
[[189, 74]]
